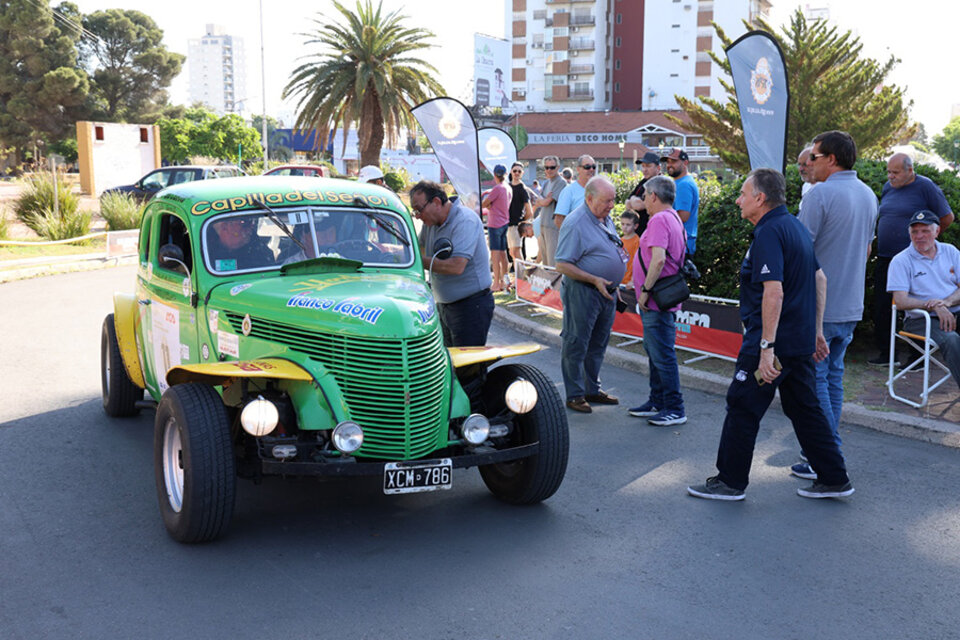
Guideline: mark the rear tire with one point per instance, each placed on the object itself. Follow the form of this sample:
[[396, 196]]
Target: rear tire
[[194, 463], [534, 479], [120, 394]]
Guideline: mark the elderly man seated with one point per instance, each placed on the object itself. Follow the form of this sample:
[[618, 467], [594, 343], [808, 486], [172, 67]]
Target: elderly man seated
[[926, 275]]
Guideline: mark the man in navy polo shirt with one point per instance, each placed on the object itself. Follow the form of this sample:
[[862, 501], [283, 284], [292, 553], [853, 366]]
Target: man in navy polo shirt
[[782, 290]]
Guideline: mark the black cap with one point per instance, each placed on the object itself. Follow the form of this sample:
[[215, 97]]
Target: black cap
[[924, 217], [649, 158]]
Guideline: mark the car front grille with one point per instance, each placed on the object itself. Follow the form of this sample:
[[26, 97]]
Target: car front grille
[[394, 388]]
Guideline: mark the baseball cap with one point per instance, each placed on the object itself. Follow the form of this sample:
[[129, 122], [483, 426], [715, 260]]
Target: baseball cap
[[369, 173], [499, 170], [924, 217], [649, 158], [675, 154]]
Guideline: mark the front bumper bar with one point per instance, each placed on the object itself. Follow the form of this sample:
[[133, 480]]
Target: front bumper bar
[[346, 468]]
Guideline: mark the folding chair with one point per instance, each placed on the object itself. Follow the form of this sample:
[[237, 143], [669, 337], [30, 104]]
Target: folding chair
[[926, 348]]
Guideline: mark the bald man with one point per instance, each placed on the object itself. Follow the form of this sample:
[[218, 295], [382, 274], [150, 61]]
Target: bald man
[[903, 195], [591, 258]]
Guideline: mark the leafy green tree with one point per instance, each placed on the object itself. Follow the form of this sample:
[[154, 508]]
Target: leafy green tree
[[43, 91], [365, 73], [945, 143], [131, 68], [831, 87], [202, 133]]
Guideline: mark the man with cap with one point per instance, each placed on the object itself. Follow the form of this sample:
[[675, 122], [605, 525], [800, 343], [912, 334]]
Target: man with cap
[[372, 175], [926, 275], [687, 201], [650, 166]]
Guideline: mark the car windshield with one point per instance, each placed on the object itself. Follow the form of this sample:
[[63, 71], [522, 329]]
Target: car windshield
[[243, 242]]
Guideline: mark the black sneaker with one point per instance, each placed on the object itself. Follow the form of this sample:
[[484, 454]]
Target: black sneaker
[[715, 489], [803, 470], [818, 490], [883, 360]]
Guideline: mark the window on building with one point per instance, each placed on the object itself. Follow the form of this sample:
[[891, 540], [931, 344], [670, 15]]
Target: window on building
[[616, 64], [561, 32], [619, 18], [616, 87], [98, 133], [144, 135], [618, 41]]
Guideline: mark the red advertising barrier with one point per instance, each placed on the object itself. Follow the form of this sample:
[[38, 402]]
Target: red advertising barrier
[[704, 325]]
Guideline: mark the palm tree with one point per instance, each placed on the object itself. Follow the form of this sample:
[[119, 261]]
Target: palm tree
[[364, 73]]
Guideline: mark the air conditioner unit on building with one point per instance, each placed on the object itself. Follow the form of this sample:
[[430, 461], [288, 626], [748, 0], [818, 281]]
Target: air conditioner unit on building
[[574, 53], [529, 107], [529, 62], [574, 77], [574, 29]]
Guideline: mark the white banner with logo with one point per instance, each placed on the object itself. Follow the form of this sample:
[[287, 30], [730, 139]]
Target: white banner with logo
[[491, 64], [453, 135], [496, 147]]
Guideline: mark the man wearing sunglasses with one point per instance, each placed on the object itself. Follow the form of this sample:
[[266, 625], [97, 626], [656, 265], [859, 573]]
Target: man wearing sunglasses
[[591, 258], [573, 196], [552, 187]]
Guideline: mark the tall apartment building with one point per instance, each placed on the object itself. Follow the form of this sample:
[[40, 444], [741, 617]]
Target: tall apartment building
[[218, 70], [622, 55]]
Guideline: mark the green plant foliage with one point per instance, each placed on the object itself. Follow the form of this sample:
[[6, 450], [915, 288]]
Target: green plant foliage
[[62, 227], [121, 211], [947, 143], [202, 133], [37, 198], [366, 72], [4, 224], [397, 179], [624, 182]]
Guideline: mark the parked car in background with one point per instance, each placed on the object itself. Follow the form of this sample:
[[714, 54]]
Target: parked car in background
[[146, 187], [311, 170]]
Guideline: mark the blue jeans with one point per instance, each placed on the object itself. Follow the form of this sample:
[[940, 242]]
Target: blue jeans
[[659, 340], [587, 320], [830, 372]]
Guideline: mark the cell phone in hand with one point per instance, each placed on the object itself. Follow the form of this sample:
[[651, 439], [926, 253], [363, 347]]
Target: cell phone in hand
[[759, 376]]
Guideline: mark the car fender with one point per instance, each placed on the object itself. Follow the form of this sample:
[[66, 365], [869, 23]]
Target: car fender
[[220, 373], [125, 316], [465, 356]]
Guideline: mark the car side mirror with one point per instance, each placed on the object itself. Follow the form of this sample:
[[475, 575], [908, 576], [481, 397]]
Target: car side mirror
[[442, 248], [171, 256]]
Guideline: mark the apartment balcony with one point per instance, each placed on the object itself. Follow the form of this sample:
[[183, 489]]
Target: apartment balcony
[[563, 93], [581, 44], [539, 14], [583, 20], [581, 68]]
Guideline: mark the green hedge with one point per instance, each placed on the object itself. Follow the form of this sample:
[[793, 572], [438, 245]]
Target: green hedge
[[723, 236]]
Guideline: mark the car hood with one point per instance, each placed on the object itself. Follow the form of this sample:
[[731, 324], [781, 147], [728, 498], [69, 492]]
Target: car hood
[[360, 304]]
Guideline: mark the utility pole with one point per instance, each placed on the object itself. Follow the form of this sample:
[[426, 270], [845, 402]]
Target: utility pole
[[263, 90]]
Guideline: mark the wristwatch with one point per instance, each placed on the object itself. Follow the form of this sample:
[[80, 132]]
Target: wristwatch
[[766, 345], [644, 289]]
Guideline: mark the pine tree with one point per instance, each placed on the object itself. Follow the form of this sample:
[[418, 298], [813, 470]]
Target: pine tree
[[831, 87]]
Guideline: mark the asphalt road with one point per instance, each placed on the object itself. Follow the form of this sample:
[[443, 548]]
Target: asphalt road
[[619, 552]]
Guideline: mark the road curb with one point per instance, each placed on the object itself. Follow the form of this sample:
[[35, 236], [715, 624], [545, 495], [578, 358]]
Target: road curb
[[22, 269], [925, 429]]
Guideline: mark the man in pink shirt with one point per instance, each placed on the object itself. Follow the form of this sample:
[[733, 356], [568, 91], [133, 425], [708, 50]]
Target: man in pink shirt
[[497, 203], [662, 251]]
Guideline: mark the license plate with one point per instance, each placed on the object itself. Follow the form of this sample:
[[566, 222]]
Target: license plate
[[413, 477]]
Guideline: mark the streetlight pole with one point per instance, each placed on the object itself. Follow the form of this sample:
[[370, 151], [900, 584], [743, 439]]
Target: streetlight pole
[[621, 145], [263, 86]]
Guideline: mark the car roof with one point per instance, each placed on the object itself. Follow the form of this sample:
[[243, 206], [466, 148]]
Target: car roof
[[200, 166], [205, 198]]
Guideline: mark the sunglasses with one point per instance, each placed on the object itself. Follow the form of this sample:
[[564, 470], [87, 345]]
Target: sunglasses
[[517, 171], [588, 167], [550, 167], [816, 156]]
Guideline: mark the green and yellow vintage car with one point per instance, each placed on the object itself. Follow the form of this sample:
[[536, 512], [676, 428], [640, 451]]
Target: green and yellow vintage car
[[283, 326]]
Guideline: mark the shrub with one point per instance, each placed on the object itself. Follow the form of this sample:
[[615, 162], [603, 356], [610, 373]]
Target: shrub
[[121, 211], [4, 225], [37, 198], [62, 227]]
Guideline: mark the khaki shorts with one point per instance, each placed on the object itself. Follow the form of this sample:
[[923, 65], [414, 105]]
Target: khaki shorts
[[513, 237]]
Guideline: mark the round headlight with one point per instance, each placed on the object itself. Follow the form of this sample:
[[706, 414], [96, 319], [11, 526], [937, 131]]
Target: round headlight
[[259, 417], [475, 429], [521, 396], [347, 437]]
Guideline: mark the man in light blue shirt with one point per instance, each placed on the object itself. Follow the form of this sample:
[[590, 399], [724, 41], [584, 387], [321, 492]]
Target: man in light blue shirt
[[571, 198], [687, 202]]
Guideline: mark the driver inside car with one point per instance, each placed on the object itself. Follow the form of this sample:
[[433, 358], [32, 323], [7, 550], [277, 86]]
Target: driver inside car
[[235, 245], [326, 229]]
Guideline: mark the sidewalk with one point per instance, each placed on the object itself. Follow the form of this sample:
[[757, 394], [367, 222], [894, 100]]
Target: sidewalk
[[713, 376]]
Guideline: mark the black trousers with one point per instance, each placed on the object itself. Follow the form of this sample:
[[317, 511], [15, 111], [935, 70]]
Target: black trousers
[[465, 323], [747, 402]]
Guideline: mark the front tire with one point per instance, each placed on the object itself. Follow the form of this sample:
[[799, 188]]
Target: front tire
[[534, 479], [120, 395], [194, 463]]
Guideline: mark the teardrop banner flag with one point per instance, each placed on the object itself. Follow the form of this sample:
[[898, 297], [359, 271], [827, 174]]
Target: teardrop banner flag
[[763, 97], [496, 147], [453, 135]]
